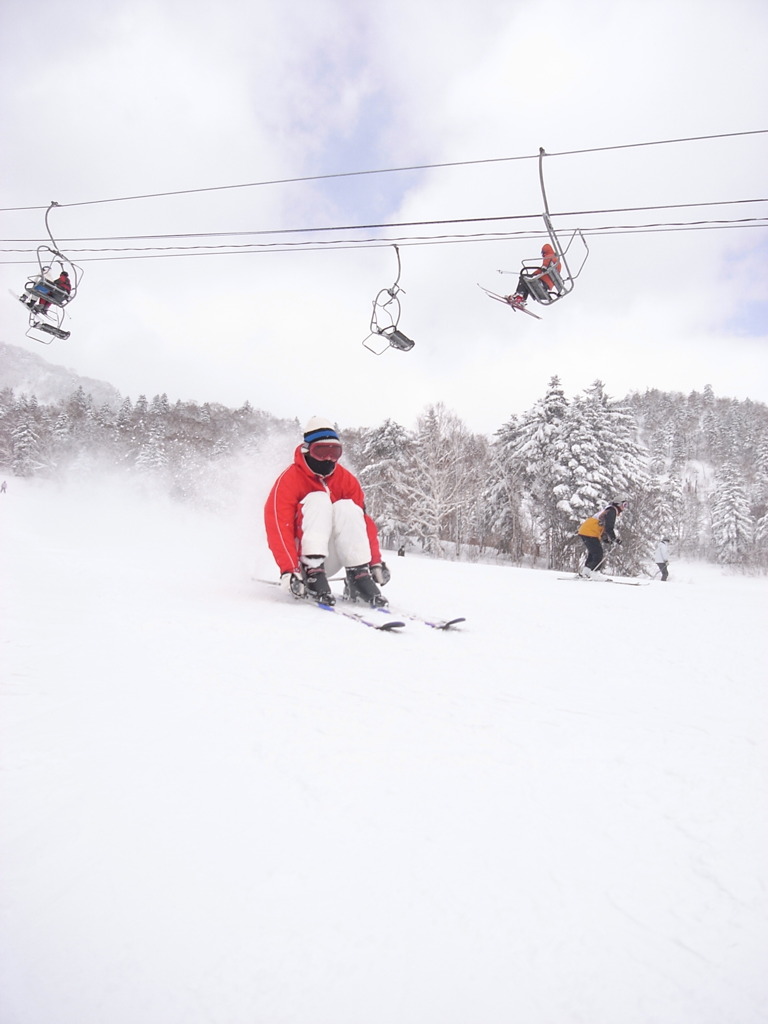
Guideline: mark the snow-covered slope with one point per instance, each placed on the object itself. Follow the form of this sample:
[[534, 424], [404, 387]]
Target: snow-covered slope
[[26, 372], [221, 806]]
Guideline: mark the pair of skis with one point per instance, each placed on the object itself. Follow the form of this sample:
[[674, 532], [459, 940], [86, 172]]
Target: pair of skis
[[383, 619], [625, 581], [364, 618], [505, 300]]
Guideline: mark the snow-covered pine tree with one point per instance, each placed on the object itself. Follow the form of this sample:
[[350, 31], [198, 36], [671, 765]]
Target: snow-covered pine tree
[[384, 454], [502, 520], [761, 540], [605, 462], [25, 448], [151, 455], [732, 524], [530, 451], [441, 482], [663, 504]]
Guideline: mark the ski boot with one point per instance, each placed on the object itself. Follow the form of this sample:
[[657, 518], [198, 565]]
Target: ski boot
[[317, 586], [361, 586]]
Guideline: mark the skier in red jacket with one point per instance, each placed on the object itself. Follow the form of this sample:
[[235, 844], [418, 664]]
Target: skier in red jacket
[[316, 524]]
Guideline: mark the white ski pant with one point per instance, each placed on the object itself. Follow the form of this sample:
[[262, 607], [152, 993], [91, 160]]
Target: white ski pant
[[333, 532]]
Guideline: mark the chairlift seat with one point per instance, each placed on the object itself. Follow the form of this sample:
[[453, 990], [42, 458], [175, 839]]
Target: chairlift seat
[[557, 281], [398, 340], [45, 333], [48, 291], [536, 286]]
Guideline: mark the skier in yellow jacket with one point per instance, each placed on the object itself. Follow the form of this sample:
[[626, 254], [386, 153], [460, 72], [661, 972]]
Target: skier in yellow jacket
[[596, 530]]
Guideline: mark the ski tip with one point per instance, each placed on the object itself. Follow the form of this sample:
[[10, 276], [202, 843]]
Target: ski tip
[[387, 627]]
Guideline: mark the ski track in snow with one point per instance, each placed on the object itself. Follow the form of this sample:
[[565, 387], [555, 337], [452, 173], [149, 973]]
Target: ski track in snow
[[222, 806]]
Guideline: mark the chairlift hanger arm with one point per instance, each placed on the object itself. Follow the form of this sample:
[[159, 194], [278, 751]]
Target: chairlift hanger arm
[[48, 227], [74, 271], [542, 154], [396, 286], [392, 300], [569, 277]]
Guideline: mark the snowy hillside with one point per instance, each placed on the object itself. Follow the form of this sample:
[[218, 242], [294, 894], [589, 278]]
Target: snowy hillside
[[27, 373], [223, 807]]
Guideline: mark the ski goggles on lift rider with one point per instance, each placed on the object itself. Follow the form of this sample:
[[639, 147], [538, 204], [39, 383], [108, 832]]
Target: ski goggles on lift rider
[[325, 451]]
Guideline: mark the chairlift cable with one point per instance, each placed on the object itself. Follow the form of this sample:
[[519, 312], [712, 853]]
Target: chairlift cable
[[396, 224], [331, 244], [390, 170]]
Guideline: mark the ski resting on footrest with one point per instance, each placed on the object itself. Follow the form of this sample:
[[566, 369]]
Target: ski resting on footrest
[[504, 299]]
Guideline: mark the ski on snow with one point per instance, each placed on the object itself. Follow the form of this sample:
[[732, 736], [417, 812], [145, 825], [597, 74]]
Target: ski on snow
[[443, 624], [386, 625], [432, 623], [625, 581], [393, 619], [369, 617]]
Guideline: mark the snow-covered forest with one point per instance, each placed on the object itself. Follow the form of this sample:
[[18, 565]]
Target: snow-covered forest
[[694, 467]]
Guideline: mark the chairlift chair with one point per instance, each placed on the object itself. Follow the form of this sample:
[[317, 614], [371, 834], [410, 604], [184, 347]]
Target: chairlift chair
[[387, 304], [563, 279], [45, 299]]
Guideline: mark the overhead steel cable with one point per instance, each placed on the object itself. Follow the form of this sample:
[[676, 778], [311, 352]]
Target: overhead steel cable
[[387, 170], [319, 245], [392, 224]]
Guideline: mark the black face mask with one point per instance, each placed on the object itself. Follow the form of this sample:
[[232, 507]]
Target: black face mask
[[322, 468]]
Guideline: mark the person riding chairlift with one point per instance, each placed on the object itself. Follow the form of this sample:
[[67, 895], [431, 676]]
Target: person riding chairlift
[[524, 285], [62, 283]]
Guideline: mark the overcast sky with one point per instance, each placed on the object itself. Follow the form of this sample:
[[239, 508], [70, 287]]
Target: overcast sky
[[101, 102]]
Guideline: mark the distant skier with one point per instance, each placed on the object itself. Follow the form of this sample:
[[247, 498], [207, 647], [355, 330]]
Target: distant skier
[[3, 487], [524, 288], [661, 558], [597, 530], [316, 524]]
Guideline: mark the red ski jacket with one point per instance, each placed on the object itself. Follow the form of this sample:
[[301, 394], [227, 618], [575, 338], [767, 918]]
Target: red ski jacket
[[282, 512]]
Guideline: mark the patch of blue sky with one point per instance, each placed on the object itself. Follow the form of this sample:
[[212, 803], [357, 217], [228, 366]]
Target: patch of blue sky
[[751, 319], [366, 144]]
